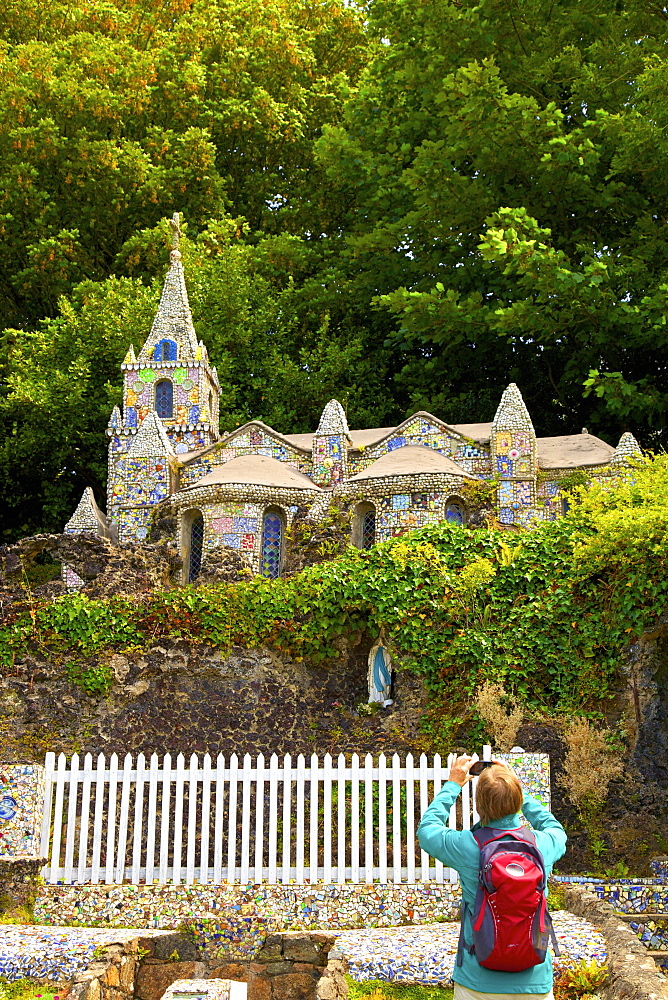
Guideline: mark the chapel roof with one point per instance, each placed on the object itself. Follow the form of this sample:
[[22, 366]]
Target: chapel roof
[[410, 460], [572, 451], [256, 470], [374, 435]]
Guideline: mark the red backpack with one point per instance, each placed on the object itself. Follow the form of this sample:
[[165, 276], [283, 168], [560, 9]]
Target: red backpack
[[511, 924]]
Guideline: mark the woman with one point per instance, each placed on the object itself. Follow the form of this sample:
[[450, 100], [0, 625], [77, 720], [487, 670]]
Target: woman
[[499, 799]]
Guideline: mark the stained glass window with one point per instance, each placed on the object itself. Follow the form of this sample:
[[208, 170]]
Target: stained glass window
[[164, 399], [368, 529], [165, 350], [196, 539], [454, 513], [272, 545]]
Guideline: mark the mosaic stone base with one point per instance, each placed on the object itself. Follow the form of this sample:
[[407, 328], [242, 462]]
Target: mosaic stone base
[[426, 955], [53, 953], [232, 922], [626, 895]]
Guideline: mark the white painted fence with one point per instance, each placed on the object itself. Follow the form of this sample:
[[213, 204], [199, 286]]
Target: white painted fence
[[249, 822]]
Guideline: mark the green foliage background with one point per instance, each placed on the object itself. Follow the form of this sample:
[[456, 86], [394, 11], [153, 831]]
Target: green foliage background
[[401, 204], [548, 616]]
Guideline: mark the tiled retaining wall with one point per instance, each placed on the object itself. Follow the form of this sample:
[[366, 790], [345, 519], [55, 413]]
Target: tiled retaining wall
[[231, 923], [632, 972], [626, 895]]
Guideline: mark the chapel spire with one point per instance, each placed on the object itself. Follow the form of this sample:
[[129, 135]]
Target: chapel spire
[[172, 336]]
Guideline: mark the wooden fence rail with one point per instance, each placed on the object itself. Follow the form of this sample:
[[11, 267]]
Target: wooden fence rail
[[244, 822]]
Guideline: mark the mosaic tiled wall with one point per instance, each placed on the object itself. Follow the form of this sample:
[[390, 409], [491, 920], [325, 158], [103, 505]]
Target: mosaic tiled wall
[[193, 400], [233, 921], [21, 801], [141, 481], [627, 895], [239, 527], [471, 457], [533, 770], [237, 523], [251, 441], [403, 512]]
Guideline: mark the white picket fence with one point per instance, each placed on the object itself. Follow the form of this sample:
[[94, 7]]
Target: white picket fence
[[254, 822]]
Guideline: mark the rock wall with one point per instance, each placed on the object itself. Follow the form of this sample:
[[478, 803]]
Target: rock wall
[[194, 699]]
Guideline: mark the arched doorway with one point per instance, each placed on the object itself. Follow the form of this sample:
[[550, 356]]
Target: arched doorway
[[455, 511]]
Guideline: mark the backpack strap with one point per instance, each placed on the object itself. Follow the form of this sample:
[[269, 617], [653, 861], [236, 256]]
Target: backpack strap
[[461, 943], [487, 834]]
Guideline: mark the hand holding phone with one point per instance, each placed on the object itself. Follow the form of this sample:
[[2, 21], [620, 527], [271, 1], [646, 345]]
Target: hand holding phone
[[476, 769]]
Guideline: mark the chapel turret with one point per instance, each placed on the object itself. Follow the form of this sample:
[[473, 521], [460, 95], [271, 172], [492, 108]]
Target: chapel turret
[[171, 376], [514, 457]]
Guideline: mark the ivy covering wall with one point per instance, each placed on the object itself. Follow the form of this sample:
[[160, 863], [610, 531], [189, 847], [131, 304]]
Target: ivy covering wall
[[547, 612]]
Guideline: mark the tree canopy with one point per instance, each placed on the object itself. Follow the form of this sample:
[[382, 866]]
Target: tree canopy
[[406, 204]]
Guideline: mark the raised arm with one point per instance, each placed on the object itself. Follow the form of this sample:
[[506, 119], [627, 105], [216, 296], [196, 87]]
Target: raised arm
[[434, 835], [542, 820]]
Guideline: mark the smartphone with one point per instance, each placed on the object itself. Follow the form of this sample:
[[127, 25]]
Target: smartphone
[[479, 767]]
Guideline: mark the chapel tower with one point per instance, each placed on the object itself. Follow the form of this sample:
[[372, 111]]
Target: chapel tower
[[171, 377]]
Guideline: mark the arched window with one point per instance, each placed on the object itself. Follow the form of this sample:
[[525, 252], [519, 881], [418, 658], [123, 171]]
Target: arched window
[[196, 542], [272, 544], [364, 525], [454, 513], [368, 529], [165, 350], [164, 399]]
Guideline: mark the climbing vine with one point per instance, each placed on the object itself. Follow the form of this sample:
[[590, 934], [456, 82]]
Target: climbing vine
[[546, 613]]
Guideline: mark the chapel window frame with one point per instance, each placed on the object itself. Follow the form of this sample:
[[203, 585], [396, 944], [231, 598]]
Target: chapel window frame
[[165, 350], [361, 514], [189, 518], [272, 515], [455, 502], [164, 407]]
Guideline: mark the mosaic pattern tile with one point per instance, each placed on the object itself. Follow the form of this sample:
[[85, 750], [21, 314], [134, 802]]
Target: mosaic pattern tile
[[426, 955], [652, 933], [21, 799], [232, 922], [626, 895], [53, 953]]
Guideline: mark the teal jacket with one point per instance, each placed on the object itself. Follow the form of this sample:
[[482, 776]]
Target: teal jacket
[[458, 849]]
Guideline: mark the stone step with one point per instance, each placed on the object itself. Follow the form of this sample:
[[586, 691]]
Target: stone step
[[640, 918]]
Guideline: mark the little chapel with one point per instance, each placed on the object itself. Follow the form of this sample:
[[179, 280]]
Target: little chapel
[[243, 489]]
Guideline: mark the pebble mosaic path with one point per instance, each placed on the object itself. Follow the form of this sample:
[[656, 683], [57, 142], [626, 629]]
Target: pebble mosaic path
[[426, 955], [55, 953], [413, 954]]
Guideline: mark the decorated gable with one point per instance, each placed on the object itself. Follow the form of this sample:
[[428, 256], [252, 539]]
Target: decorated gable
[[251, 439]]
